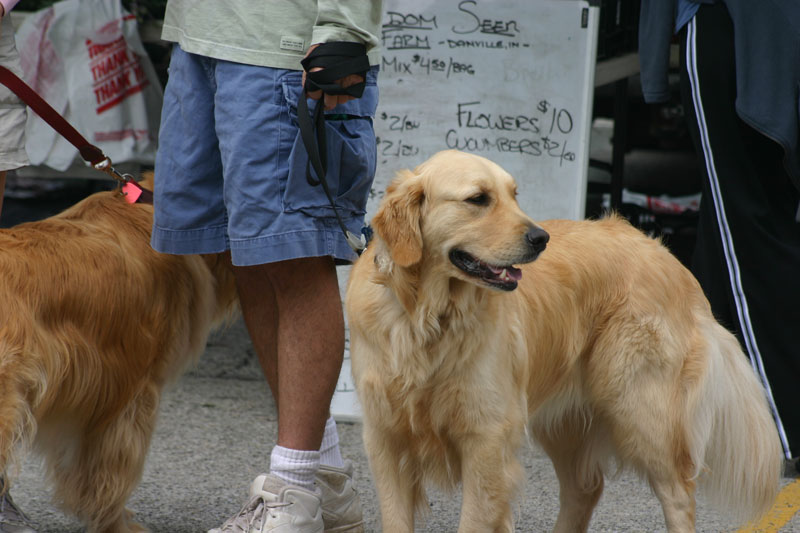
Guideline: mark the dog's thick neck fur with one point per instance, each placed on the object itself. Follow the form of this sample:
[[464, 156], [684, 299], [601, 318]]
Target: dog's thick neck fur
[[429, 306]]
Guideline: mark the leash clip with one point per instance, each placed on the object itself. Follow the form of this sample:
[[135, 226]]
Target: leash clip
[[128, 188], [357, 243], [106, 166]]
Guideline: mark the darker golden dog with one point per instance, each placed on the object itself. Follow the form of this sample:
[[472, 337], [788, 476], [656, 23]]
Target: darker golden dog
[[599, 341], [93, 323]]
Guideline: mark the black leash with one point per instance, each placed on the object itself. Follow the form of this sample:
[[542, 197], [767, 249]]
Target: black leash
[[336, 60]]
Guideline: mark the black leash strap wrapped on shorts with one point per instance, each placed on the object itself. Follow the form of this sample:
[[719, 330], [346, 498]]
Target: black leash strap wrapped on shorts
[[337, 60]]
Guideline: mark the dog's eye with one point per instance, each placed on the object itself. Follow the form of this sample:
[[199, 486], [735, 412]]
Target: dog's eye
[[479, 199]]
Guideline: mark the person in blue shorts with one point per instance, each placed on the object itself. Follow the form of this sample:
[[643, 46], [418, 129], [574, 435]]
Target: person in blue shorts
[[230, 177]]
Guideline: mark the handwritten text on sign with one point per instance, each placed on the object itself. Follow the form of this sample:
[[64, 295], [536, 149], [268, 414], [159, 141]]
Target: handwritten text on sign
[[420, 45], [511, 81]]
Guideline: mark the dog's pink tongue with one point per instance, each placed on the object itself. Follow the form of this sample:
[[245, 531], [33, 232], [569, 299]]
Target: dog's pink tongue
[[508, 273]]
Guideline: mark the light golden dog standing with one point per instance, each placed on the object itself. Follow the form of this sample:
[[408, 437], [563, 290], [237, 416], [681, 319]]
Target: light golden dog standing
[[600, 342], [93, 323]]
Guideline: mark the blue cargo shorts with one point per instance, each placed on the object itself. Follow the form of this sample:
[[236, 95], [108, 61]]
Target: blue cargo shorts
[[230, 170]]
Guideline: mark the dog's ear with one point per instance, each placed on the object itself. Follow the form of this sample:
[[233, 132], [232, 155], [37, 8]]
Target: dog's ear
[[397, 220]]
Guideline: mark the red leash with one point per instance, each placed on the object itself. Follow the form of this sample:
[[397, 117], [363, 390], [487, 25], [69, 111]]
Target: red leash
[[90, 153]]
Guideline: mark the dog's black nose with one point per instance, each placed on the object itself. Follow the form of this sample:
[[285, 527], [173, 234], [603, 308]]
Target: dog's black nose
[[537, 238]]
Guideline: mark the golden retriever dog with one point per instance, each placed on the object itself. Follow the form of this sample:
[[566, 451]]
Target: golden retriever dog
[[599, 342], [93, 324]]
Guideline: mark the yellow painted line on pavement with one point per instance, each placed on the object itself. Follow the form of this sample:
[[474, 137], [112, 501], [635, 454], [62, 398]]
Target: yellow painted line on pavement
[[785, 507]]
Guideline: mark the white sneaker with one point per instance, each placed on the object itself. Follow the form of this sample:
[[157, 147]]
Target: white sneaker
[[341, 506], [276, 507]]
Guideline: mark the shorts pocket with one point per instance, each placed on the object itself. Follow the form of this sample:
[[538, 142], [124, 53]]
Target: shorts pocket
[[351, 158]]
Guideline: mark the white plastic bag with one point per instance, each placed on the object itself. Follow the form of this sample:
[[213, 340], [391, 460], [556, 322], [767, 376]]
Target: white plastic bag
[[86, 59]]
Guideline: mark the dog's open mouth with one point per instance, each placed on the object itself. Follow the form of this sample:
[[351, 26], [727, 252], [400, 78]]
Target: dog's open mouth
[[504, 277]]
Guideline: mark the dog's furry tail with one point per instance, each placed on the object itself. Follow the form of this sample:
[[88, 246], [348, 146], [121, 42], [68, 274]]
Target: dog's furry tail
[[742, 454]]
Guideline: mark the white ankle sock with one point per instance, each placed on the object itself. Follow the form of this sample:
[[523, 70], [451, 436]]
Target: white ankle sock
[[329, 452], [296, 467]]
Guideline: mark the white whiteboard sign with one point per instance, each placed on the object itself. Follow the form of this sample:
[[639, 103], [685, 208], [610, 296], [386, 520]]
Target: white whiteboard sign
[[511, 80], [506, 79]]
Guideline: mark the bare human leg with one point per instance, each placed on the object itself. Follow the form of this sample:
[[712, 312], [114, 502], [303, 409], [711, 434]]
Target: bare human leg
[[293, 313]]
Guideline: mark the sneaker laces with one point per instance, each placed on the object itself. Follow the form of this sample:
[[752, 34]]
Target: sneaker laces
[[272, 506], [252, 514], [247, 515]]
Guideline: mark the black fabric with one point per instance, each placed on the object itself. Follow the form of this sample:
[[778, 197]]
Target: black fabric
[[336, 60], [760, 204], [767, 49]]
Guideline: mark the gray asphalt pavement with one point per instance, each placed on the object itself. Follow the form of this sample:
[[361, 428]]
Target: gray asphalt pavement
[[217, 427]]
